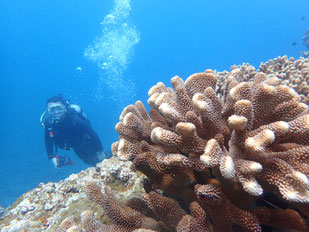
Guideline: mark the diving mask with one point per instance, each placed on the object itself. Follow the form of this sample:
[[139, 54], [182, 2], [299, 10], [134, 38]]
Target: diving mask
[[57, 110]]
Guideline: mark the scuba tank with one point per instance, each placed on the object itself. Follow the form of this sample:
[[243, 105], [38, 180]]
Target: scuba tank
[[79, 110]]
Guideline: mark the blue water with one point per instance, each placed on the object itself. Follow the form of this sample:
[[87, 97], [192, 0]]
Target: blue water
[[104, 55]]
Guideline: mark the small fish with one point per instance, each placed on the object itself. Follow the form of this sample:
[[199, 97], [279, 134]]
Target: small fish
[[303, 18], [294, 43]]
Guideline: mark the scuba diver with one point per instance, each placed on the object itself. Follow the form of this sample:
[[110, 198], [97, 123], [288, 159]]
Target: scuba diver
[[68, 127]]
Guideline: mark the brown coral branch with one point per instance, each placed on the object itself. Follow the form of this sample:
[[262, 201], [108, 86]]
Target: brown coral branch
[[121, 215], [222, 212]]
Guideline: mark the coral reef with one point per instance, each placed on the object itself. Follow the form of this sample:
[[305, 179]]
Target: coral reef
[[226, 156], [220, 151], [234, 157], [290, 72], [45, 207], [2, 211], [248, 72]]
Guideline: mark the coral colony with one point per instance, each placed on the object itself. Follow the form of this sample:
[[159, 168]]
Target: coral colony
[[219, 151], [237, 160]]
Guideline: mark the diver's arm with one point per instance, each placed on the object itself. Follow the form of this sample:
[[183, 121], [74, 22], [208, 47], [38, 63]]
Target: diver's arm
[[57, 160], [49, 144]]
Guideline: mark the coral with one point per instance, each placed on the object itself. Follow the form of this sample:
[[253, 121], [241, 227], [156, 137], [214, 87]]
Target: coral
[[284, 70], [2, 212], [220, 151], [45, 207], [291, 72], [225, 152], [247, 70], [166, 214], [197, 220], [121, 215], [66, 224], [165, 211], [89, 223], [222, 212]]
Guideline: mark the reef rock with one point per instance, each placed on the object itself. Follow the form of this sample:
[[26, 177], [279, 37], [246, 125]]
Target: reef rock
[[43, 208]]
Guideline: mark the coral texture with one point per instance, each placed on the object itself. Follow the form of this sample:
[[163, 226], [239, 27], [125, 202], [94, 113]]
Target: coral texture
[[234, 155], [290, 72], [45, 207]]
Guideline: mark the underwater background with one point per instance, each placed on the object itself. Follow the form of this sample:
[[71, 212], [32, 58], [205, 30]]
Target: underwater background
[[104, 55]]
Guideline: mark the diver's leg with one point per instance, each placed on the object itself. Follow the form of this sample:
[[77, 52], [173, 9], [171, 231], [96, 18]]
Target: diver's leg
[[81, 154], [96, 157], [100, 155], [89, 156]]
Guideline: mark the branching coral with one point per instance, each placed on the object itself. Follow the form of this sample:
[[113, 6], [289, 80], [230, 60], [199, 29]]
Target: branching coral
[[291, 72], [126, 218], [237, 160], [284, 70], [253, 143]]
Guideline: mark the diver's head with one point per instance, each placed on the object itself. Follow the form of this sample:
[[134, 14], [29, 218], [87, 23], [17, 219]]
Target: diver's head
[[57, 108]]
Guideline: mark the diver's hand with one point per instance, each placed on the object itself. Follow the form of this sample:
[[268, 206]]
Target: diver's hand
[[60, 161], [55, 162]]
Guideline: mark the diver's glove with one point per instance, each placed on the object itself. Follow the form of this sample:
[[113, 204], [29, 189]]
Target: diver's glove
[[60, 161]]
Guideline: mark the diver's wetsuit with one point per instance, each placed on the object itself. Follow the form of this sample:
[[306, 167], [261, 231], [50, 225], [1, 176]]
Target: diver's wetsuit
[[75, 132]]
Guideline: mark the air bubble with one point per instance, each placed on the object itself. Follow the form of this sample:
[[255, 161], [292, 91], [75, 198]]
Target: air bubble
[[113, 51]]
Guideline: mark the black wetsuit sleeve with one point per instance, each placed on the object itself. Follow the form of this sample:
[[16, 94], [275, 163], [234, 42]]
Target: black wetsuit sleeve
[[49, 144]]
